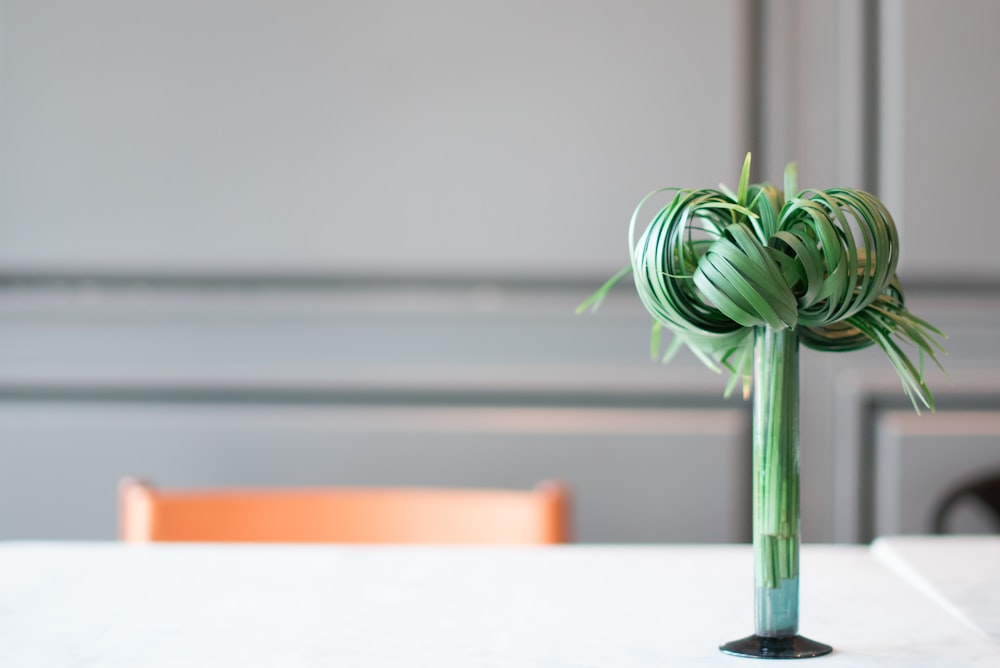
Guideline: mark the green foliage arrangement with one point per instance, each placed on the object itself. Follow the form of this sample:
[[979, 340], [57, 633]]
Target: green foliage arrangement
[[742, 279], [713, 265]]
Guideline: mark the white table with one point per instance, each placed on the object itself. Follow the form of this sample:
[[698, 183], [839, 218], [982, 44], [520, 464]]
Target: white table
[[110, 605], [962, 575]]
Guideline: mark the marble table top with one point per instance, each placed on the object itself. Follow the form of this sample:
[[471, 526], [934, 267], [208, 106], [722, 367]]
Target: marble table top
[[961, 574], [112, 605]]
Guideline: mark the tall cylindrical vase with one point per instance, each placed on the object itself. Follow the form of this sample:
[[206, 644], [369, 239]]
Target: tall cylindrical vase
[[776, 503]]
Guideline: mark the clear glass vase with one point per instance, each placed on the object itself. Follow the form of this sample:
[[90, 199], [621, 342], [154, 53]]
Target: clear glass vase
[[776, 503]]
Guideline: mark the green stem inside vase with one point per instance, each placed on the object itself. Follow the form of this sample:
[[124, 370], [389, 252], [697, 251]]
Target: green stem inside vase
[[776, 481]]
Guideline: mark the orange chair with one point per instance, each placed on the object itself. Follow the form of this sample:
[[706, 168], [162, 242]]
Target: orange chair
[[345, 515]]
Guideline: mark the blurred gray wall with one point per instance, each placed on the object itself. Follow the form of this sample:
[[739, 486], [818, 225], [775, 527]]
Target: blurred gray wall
[[376, 138], [341, 243]]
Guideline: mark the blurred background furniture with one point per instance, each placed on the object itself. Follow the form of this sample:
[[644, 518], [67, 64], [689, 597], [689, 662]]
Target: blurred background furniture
[[345, 515], [982, 491]]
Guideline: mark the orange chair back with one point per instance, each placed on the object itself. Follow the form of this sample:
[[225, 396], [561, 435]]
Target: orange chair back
[[345, 515]]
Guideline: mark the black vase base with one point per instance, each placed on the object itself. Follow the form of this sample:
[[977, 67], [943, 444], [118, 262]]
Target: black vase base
[[762, 647]]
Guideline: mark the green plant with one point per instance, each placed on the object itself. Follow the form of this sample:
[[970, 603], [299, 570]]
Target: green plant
[[741, 279], [713, 265]]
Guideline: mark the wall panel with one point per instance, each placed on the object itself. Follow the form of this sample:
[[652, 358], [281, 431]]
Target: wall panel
[[388, 137], [919, 462], [939, 149], [635, 475]]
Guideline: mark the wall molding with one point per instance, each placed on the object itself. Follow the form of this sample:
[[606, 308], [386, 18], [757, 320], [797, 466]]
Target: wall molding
[[863, 395]]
